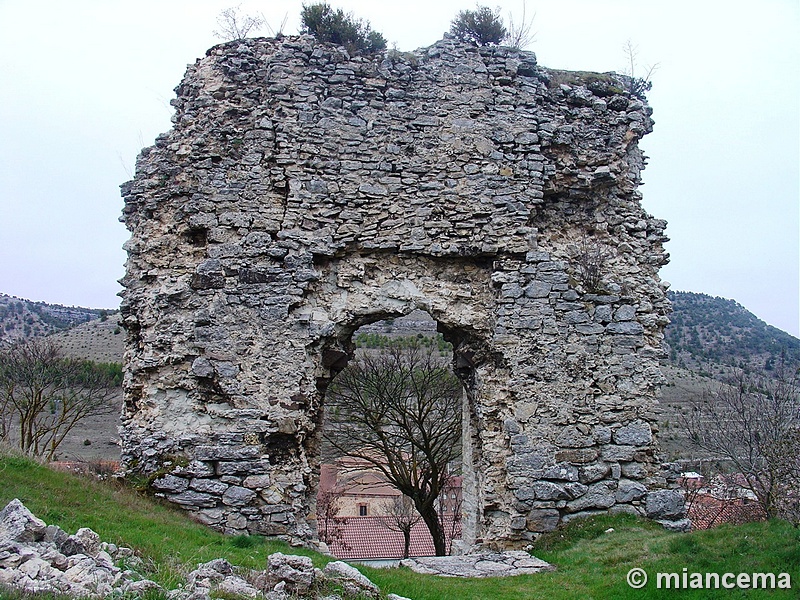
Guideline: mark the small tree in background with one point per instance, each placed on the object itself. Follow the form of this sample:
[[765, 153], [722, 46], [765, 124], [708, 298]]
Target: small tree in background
[[753, 424], [338, 27], [44, 395], [401, 516], [329, 523], [483, 26]]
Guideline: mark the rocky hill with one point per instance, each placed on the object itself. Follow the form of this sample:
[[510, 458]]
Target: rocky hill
[[20, 318], [711, 335]]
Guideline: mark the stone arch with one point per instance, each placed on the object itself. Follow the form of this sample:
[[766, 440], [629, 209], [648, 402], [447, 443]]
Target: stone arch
[[303, 192], [456, 294]]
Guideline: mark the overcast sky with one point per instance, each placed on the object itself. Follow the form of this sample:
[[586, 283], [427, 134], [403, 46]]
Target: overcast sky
[[85, 84]]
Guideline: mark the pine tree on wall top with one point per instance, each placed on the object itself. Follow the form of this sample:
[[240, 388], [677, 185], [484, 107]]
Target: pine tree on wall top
[[337, 27], [482, 26]]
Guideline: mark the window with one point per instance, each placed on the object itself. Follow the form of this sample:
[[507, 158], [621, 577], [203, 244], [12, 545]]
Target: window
[[362, 510]]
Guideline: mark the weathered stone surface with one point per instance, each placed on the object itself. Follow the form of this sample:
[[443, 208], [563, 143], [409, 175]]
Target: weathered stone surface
[[598, 495], [351, 578], [542, 520], [18, 524], [238, 496], [303, 192], [679, 525], [481, 564], [637, 433], [37, 559], [295, 573], [630, 490], [665, 504], [171, 484], [36, 567]]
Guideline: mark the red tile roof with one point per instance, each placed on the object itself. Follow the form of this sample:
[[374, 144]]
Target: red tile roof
[[370, 537]]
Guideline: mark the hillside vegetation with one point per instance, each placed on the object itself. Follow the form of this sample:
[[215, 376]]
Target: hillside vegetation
[[593, 556], [21, 318], [707, 331]]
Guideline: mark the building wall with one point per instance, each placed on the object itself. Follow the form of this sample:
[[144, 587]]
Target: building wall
[[303, 193]]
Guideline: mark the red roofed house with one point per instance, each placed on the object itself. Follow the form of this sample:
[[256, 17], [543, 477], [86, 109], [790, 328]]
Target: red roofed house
[[355, 508]]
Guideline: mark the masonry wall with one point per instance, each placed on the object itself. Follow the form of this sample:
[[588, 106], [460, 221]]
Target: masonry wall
[[303, 193]]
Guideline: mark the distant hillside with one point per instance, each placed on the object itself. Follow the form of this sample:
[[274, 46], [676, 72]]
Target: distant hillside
[[20, 318], [100, 340], [707, 331]]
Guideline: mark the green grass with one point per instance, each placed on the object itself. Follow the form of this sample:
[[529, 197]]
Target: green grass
[[170, 543], [590, 562]]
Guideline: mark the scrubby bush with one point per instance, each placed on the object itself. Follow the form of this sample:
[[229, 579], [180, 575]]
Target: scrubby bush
[[338, 27], [483, 26]]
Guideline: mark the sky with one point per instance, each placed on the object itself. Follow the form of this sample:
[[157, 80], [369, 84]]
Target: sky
[[85, 84]]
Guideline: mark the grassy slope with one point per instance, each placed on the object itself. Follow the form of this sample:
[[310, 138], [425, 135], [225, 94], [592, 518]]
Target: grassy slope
[[591, 563], [162, 535]]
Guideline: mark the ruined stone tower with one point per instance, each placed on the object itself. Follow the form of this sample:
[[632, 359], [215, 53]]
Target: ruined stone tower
[[303, 193]]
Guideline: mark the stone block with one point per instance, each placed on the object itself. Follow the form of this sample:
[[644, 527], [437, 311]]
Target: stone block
[[594, 472], [547, 490], [171, 484], [625, 328], [572, 437], [538, 289], [209, 486], [561, 472], [238, 453], [257, 482], [614, 453], [193, 499], [238, 496], [578, 456], [575, 489], [637, 433], [628, 490], [542, 520], [665, 504], [633, 470], [598, 495], [18, 524], [678, 525]]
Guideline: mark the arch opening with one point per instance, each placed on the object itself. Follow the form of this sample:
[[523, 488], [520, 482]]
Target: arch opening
[[353, 484]]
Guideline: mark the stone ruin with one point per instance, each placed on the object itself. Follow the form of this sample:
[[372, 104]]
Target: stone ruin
[[303, 193]]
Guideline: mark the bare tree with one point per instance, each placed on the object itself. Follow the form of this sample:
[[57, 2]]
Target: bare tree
[[401, 516], [753, 424], [520, 33], [400, 411], [637, 84], [45, 394], [330, 524], [451, 519], [787, 497], [235, 25]]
